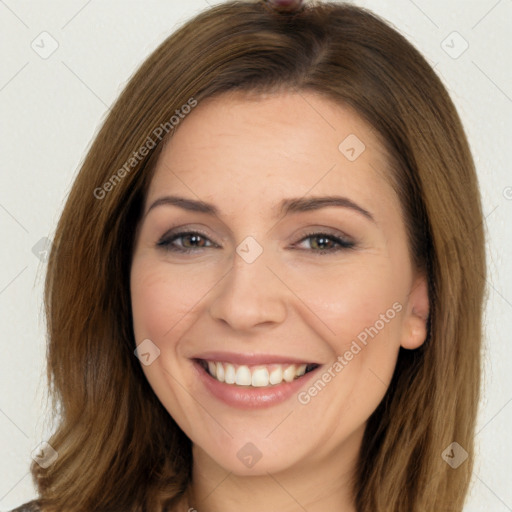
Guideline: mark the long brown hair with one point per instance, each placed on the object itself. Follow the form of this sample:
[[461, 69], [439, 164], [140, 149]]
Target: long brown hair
[[118, 448]]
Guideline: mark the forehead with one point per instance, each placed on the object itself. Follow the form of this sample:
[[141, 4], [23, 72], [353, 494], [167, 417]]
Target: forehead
[[270, 146]]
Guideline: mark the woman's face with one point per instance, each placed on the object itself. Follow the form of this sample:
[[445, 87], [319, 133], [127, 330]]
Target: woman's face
[[272, 244]]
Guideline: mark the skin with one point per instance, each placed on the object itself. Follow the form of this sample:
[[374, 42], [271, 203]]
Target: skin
[[245, 153]]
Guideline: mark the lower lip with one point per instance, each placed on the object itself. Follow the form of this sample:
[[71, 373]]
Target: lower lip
[[251, 397]]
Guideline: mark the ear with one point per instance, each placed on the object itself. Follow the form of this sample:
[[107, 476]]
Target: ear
[[414, 332]]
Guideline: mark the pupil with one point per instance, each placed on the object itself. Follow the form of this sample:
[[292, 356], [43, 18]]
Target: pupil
[[321, 241], [193, 239]]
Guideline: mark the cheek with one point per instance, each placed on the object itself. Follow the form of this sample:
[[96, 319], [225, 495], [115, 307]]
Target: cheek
[[352, 299], [162, 299], [151, 298], [361, 305], [161, 304]]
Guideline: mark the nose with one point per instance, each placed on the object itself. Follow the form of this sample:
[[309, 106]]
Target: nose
[[250, 295]]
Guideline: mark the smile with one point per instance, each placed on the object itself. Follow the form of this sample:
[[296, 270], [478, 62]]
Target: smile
[[256, 376]]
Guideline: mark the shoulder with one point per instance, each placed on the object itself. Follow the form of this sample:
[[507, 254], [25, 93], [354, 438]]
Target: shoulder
[[31, 506]]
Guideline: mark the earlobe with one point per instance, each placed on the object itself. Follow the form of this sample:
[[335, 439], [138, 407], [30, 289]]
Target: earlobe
[[414, 331]]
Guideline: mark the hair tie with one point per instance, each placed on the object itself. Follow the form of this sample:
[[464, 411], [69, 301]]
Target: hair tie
[[285, 5]]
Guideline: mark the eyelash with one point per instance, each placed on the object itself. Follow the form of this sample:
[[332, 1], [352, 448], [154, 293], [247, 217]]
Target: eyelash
[[166, 243]]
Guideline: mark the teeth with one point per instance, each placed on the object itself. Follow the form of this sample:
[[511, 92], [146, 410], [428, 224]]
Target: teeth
[[229, 374], [256, 376], [259, 378], [289, 373], [219, 373], [276, 376], [301, 370], [243, 375]]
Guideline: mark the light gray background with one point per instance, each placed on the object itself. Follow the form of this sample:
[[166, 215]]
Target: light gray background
[[52, 107]]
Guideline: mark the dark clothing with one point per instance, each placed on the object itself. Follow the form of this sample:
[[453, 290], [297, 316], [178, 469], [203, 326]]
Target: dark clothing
[[30, 506]]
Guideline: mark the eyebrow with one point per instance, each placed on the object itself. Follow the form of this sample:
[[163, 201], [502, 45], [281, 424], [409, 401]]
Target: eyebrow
[[287, 206]]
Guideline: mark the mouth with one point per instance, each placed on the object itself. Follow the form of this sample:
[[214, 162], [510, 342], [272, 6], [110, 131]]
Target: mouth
[[255, 376]]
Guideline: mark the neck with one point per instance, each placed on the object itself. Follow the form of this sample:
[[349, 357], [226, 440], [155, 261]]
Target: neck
[[316, 485]]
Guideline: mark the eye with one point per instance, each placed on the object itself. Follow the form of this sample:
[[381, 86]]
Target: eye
[[323, 243], [190, 241]]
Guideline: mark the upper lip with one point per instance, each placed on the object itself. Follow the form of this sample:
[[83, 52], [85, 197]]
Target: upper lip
[[249, 358]]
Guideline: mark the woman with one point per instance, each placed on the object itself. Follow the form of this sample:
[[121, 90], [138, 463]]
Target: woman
[[266, 287]]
